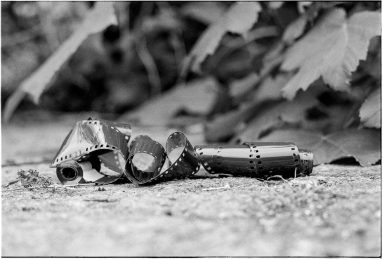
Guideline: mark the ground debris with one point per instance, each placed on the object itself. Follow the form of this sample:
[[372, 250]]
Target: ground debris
[[31, 179], [101, 200], [227, 186]]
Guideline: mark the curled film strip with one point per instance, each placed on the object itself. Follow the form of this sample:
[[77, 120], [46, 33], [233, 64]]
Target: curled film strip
[[149, 162], [93, 151], [97, 151]]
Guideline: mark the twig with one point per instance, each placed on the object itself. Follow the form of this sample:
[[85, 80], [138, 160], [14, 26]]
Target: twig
[[227, 186], [143, 52], [150, 66], [11, 182], [276, 176]]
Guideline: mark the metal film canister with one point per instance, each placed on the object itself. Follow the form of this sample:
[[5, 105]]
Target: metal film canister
[[255, 159]]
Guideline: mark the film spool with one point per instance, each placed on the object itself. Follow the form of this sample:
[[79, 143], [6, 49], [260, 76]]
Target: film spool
[[72, 173], [177, 162], [103, 142], [255, 159]]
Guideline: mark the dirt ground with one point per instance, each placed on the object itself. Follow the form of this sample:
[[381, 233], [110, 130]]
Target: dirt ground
[[334, 212]]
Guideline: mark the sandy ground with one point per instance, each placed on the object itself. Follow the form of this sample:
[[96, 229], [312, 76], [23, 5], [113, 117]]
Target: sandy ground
[[334, 212]]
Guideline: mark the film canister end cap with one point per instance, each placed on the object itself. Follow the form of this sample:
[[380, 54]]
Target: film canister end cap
[[306, 163]]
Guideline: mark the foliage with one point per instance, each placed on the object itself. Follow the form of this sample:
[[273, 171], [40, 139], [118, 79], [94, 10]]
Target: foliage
[[238, 19], [370, 112], [335, 46], [250, 71], [101, 16]]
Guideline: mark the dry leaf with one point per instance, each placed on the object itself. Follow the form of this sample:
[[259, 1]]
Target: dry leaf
[[370, 112], [332, 49], [238, 19]]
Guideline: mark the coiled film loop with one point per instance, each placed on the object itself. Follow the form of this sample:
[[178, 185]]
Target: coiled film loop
[[149, 163]]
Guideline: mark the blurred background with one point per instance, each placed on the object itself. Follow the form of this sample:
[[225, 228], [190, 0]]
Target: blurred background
[[231, 72]]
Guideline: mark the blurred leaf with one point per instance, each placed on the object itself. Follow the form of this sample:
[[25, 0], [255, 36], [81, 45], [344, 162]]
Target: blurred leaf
[[101, 16], [226, 125], [205, 12], [303, 5], [360, 144], [275, 4], [196, 97], [164, 20], [291, 112], [370, 112], [243, 85], [332, 49], [306, 111], [295, 29], [372, 65], [262, 100], [270, 88], [238, 19]]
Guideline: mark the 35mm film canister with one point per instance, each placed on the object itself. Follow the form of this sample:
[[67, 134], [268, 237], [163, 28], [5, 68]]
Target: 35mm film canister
[[256, 159]]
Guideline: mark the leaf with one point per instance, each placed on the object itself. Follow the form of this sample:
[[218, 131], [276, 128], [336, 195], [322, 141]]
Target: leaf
[[332, 49], [243, 85], [275, 4], [370, 112], [363, 145], [291, 112], [197, 97], [303, 5], [306, 111], [206, 12], [164, 20], [295, 29], [238, 19], [101, 16], [372, 65], [226, 125], [263, 99], [270, 88]]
